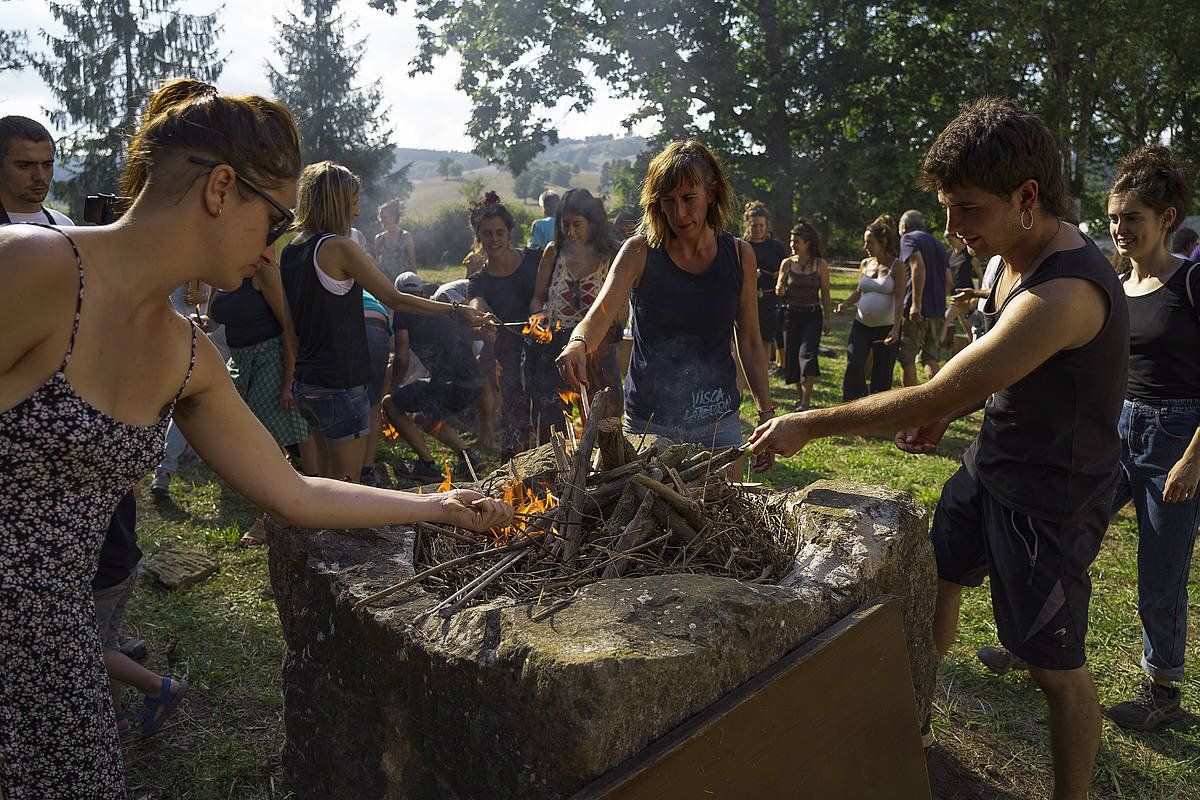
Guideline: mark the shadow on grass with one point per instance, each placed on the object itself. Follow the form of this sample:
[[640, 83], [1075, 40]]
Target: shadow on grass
[[1175, 741], [951, 780]]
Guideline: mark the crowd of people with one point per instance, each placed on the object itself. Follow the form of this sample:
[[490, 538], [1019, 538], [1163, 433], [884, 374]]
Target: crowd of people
[[277, 343]]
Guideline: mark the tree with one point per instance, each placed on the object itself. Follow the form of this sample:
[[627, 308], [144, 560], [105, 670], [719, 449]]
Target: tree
[[823, 106], [456, 171], [443, 166], [112, 57], [12, 52], [338, 119], [531, 182]]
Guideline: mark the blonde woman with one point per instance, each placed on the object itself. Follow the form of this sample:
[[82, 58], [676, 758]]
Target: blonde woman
[[694, 291], [324, 275]]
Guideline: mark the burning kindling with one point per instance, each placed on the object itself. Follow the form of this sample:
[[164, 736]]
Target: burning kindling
[[666, 509]]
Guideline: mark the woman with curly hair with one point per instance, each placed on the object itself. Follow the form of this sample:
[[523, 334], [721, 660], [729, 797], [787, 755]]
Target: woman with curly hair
[[803, 284], [694, 292]]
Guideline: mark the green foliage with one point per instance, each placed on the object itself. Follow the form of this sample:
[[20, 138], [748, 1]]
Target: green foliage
[[537, 178], [110, 59], [621, 181], [339, 119], [820, 107], [12, 50]]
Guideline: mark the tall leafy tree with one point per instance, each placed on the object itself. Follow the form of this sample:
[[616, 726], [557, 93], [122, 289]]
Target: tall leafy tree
[[340, 118], [111, 58], [822, 106]]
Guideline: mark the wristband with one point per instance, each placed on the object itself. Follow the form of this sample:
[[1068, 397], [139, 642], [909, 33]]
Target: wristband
[[577, 337]]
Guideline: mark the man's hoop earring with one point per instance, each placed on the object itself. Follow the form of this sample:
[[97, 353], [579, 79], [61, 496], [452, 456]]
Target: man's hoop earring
[[220, 210], [1028, 227]]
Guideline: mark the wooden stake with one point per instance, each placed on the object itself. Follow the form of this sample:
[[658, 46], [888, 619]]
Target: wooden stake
[[685, 506], [445, 565]]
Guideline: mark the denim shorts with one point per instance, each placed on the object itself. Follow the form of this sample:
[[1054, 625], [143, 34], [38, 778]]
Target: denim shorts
[[720, 434], [341, 415], [379, 347]]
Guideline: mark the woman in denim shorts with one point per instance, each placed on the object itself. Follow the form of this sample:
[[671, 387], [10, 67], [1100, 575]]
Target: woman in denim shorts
[[324, 275]]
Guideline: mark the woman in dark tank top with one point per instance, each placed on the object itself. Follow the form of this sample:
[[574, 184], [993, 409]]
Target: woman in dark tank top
[[693, 287]]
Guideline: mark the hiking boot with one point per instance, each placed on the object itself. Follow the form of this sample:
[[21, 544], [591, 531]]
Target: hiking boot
[[162, 482], [999, 660], [1153, 705], [927, 739]]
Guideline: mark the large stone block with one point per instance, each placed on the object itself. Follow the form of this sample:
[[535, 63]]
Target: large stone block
[[489, 703]]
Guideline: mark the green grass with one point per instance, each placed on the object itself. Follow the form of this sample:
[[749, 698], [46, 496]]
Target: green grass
[[223, 636]]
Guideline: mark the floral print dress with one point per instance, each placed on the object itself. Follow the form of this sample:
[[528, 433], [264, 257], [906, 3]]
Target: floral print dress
[[65, 465]]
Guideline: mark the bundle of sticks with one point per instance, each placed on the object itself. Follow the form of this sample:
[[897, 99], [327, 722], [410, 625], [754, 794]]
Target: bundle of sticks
[[624, 512]]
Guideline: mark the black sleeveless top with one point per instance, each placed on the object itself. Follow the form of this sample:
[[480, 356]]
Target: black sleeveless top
[[246, 315], [1164, 339], [330, 329], [681, 369], [1048, 445]]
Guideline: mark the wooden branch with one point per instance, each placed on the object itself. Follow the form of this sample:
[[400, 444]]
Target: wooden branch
[[624, 470], [434, 570], [615, 449], [605, 494], [636, 532], [717, 462], [685, 506], [559, 445], [481, 583], [572, 532], [429, 527], [672, 521]]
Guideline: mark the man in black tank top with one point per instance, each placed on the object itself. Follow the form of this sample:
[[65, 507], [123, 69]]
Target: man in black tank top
[[1030, 504]]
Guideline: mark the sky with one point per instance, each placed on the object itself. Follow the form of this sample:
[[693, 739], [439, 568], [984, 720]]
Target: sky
[[426, 111]]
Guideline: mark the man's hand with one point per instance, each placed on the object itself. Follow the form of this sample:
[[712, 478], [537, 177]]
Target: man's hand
[[464, 508], [914, 313], [780, 436], [923, 440]]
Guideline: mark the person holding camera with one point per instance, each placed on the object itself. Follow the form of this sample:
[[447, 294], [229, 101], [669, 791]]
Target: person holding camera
[[93, 363]]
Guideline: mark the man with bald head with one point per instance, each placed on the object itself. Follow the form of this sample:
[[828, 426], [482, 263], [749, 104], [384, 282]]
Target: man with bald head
[[26, 169], [924, 319]]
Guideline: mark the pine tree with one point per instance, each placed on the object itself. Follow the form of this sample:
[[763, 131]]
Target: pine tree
[[112, 58], [340, 119]]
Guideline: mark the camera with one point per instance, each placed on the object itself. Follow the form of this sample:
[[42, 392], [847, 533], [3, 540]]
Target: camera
[[103, 209]]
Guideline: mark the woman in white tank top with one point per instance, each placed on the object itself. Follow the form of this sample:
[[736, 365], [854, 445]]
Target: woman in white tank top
[[876, 328]]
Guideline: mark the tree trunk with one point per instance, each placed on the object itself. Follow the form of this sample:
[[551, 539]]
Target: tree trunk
[[777, 138]]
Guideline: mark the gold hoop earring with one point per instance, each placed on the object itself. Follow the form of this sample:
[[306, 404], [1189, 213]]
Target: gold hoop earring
[[1028, 227]]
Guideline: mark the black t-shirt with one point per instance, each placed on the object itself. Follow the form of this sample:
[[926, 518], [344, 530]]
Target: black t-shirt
[[1164, 340], [443, 347], [768, 254], [508, 297], [962, 268]]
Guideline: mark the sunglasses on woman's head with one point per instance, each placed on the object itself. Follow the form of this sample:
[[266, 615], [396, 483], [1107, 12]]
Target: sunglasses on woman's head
[[278, 227]]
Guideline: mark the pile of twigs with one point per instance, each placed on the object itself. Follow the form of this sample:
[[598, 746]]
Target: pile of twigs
[[620, 514]]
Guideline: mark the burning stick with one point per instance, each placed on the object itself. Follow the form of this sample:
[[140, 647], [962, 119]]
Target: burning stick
[[583, 399], [572, 532]]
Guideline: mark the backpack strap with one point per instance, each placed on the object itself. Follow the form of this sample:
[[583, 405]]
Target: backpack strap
[[1190, 292]]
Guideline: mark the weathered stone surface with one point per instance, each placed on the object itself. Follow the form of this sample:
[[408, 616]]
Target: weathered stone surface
[[491, 704], [181, 569]]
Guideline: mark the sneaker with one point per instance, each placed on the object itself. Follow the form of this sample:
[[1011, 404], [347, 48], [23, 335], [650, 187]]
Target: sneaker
[[927, 732], [256, 534], [999, 660], [161, 483], [419, 470], [1153, 705]]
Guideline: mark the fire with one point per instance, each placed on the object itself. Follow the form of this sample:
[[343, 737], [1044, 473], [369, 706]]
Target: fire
[[528, 507], [571, 402], [538, 329], [445, 485], [390, 432]]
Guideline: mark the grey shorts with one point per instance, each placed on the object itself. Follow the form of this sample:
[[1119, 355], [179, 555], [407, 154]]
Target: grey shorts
[[110, 610]]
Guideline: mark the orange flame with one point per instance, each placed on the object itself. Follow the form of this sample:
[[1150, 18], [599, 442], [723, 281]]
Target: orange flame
[[527, 505], [436, 429], [445, 485], [539, 332], [573, 406], [390, 432]]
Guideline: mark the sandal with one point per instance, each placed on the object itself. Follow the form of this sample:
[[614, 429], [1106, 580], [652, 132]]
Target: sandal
[[158, 708], [120, 717]]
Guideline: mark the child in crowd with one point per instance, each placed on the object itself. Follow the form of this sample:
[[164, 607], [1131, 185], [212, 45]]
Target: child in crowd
[[111, 589]]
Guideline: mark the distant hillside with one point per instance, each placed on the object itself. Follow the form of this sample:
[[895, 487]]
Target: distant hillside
[[589, 154]]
